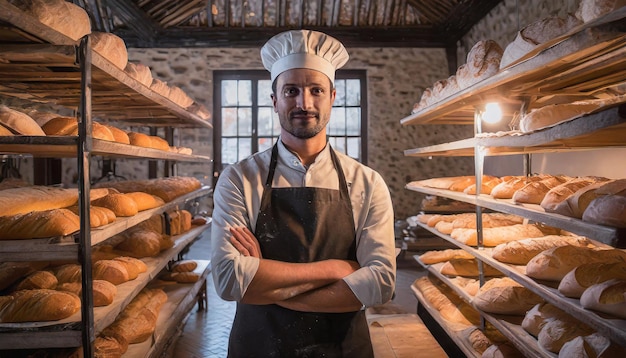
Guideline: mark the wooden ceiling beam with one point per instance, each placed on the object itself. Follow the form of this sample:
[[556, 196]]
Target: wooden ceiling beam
[[134, 18]]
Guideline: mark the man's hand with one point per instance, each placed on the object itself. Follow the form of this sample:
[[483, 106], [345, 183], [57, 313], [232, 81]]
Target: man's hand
[[245, 242]]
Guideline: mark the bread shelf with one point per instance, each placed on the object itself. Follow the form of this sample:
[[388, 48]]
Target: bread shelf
[[67, 331], [66, 248], [509, 326], [607, 235], [615, 329], [579, 64]]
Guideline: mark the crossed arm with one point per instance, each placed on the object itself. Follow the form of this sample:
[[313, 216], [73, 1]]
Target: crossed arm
[[311, 287]]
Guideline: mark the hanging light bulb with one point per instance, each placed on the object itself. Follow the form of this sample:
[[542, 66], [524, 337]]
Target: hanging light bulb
[[492, 113]]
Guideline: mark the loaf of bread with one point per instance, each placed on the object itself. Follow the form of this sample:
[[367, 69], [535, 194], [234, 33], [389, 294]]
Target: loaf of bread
[[140, 72], [160, 87], [111, 47], [106, 347], [535, 34], [558, 331], [483, 61], [539, 315], [113, 271], [18, 122], [119, 135], [145, 201], [39, 224], [502, 350], [140, 243], [436, 256], [507, 188], [458, 182], [591, 9], [137, 321], [179, 97], [11, 272], [489, 220], [181, 277], [505, 296], [98, 216], [593, 345], [554, 114], [564, 194], [467, 268], [575, 282], [451, 307], [521, 251], [133, 266], [38, 305], [120, 204], [37, 280], [469, 285], [497, 235], [553, 264], [5, 132], [199, 110], [65, 17], [534, 192], [184, 266], [608, 297], [60, 125], [485, 188], [159, 143], [23, 200], [139, 139], [609, 210], [166, 188], [103, 291], [68, 273], [154, 223]]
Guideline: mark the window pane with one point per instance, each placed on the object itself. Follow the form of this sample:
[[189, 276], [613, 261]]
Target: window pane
[[339, 144], [245, 121], [229, 93], [337, 124], [265, 143], [276, 121], [229, 150], [229, 121], [353, 121], [245, 93], [340, 99], [354, 148], [353, 92], [264, 92], [245, 147], [265, 121]]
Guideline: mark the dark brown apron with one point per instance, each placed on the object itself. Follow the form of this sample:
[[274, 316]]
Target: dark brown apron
[[302, 225]]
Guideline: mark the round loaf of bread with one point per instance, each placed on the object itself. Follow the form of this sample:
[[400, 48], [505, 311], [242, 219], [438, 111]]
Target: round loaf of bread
[[558, 331], [483, 61], [68, 273], [178, 96], [18, 122], [607, 297], [60, 126], [111, 47], [65, 17]]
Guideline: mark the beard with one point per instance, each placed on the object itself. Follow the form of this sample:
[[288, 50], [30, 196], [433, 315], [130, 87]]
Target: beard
[[309, 130]]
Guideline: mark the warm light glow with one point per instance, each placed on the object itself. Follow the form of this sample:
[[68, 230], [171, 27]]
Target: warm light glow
[[213, 9], [492, 113]]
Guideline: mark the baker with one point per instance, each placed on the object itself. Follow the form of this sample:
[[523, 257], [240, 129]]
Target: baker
[[302, 236]]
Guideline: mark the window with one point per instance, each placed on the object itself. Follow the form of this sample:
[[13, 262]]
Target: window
[[245, 122]]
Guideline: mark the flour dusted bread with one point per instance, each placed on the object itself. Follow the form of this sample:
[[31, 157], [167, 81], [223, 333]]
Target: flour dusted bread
[[111, 47], [586, 275], [558, 331], [508, 187], [505, 296], [553, 114], [553, 264], [534, 192], [591, 9], [436, 256], [483, 61], [536, 33], [594, 345], [521, 251], [608, 297], [18, 122], [39, 224], [497, 235], [570, 198], [63, 16], [23, 200], [39, 305], [539, 315], [609, 210]]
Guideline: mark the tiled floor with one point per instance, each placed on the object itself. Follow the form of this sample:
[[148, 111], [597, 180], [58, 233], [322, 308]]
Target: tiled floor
[[205, 333]]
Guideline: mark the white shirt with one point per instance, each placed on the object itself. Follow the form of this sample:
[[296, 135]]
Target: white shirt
[[237, 199]]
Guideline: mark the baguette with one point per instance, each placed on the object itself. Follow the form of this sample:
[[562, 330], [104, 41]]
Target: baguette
[[181, 277], [553, 264], [467, 268], [433, 257], [586, 275], [23, 200], [497, 235], [521, 251], [39, 224], [39, 305], [534, 192]]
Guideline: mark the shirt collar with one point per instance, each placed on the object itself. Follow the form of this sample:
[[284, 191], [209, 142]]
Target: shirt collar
[[293, 160]]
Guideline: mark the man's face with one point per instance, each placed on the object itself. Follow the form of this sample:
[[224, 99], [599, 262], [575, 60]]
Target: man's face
[[303, 102]]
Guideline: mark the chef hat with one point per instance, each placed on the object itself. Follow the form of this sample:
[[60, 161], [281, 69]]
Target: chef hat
[[303, 49]]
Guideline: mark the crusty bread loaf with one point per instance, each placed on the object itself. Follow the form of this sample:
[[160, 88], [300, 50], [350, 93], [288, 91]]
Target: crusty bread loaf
[[113, 271], [159, 143], [534, 192], [65, 17], [39, 224], [502, 350], [145, 201], [505, 296], [489, 220], [521, 251], [119, 135], [60, 126], [139, 139], [98, 216], [133, 266], [591, 9], [483, 61], [467, 268], [100, 131], [575, 282], [111, 47], [451, 307], [39, 305], [140, 243], [539, 315], [485, 188], [436, 256], [556, 332], [120, 204], [447, 182], [534, 34], [608, 297], [166, 188], [23, 200], [154, 223], [5, 132], [507, 188], [494, 236], [103, 291], [140, 72], [37, 280], [178, 96], [109, 347], [19, 123], [137, 321], [181, 277], [554, 114], [553, 264], [184, 266], [160, 87], [68, 273], [564, 193], [593, 345], [609, 210], [11, 272]]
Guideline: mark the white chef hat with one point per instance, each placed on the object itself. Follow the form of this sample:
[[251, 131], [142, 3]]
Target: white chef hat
[[303, 49]]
